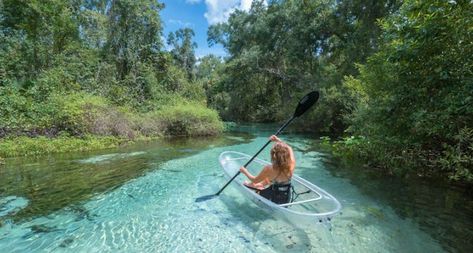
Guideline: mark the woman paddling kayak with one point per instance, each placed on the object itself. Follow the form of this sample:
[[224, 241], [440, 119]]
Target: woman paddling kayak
[[274, 181]]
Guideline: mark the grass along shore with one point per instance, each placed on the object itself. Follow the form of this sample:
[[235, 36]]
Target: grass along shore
[[27, 146]]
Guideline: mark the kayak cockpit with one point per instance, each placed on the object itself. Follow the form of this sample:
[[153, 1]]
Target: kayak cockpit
[[308, 201]]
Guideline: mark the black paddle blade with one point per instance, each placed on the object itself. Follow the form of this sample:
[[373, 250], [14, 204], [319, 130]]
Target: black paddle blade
[[205, 198], [306, 102]]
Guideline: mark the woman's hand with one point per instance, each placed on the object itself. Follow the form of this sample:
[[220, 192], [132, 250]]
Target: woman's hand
[[247, 173], [274, 138], [258, 186]]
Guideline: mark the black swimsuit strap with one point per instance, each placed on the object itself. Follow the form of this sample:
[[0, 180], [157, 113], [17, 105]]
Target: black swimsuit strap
[[273, 180], [279, 183]]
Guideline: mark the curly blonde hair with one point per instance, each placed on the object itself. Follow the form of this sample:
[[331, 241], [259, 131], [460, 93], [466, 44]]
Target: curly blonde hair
[[281, 158]]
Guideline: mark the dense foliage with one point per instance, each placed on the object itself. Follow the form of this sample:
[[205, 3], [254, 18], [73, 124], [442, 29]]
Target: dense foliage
[[97, 67], [395, 76], [416, 94], [280, 51]]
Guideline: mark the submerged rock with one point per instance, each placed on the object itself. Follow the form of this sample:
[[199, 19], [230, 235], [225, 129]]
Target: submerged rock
[[66, 242], [42, 229]]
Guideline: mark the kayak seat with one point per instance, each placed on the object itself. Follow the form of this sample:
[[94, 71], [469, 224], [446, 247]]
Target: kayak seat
[[279, 193]]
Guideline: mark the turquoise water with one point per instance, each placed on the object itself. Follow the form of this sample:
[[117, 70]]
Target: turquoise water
[[142, 199]]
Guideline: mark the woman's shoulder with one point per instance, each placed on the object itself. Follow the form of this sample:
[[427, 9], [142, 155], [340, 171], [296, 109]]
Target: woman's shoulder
[[268, 167]]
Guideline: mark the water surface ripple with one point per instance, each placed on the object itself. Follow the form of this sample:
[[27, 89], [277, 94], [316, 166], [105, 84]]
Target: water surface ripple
[[141, 199]]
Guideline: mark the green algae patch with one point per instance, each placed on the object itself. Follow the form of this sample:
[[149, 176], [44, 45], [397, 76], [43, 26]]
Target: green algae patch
[[23, 146]]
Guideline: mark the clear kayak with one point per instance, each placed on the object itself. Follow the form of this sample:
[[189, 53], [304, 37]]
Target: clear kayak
[[309, 204]]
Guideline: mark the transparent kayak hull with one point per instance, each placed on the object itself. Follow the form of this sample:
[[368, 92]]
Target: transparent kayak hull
[[310, 204]]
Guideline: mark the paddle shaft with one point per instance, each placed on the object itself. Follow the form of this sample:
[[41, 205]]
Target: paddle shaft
[[257, 153]]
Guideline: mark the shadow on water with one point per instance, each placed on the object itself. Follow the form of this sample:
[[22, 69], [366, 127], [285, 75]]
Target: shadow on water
[[265, 227], [50, 183]]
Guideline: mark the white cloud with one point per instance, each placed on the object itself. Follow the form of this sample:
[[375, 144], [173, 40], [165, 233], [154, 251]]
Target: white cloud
[[219, 10], [245, 5], [180, 23], [193, 1]]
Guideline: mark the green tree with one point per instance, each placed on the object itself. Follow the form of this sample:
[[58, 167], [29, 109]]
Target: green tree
[[183, 49], [133, 33], [43, 29], [209, 73], [280, 51]]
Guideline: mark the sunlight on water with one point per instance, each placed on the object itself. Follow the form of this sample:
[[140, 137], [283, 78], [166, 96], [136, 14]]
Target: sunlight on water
[[157, 212]]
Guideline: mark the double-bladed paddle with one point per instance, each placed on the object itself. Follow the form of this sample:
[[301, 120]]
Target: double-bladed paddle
[[304, 104]]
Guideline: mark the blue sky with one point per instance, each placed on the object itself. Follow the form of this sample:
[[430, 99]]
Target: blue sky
[[198, 15]]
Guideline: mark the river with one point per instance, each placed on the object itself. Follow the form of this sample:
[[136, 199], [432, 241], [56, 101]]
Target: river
[[141, 198]]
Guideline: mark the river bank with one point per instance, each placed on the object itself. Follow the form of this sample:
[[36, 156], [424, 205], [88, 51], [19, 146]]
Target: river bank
[[452, 165], [81, 122]]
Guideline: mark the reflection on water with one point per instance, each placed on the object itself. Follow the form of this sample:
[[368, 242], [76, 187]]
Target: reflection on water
[[444, 211]]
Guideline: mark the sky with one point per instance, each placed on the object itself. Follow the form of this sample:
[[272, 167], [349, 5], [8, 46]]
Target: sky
[[199, 15]]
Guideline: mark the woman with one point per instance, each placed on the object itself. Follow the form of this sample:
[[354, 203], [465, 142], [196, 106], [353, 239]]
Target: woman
[[274, 181]]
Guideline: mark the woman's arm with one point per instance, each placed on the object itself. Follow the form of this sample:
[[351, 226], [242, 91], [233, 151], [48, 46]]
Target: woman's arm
[[293, 160], [256, 179], [247, 173]]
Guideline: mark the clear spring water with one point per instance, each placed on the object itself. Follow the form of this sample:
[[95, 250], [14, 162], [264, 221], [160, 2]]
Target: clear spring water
[[141, 199]]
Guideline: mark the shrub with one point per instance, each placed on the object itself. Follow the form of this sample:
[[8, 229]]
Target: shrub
[[83, 113], [72, 115], [457, 159], [149, 124], [13, 107], [108, 120], [189, 120]]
